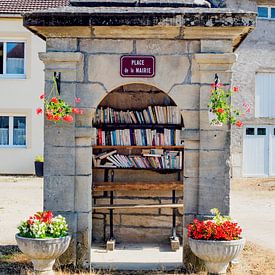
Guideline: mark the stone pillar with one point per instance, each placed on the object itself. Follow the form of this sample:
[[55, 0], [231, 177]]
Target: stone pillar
[[68, 154], [214, 156]]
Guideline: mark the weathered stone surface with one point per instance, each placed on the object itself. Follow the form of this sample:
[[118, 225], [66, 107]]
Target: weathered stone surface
[[83, 159], [59, 134], [214, 140], [161, 47], [63, 45], [190, 119], [213, 193], [86, 132], [186, 96], [191, 163], [213, 163], [106, 46], [90, 94], [59, 161], [191, 144], [86, 119], [102, 67], [190, 134], [83, 199], [59, 193], [191, 194], [216, 46]]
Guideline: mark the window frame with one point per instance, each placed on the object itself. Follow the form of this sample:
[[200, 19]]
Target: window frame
[[11, 128], [12, 76], [268, 12]]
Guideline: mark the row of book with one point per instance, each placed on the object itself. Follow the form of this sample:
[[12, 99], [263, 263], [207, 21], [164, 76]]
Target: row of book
[[153, 159], [139, 137], [151, 115]]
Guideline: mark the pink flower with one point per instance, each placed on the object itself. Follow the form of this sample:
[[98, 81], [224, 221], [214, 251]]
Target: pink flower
[[39, 111], [239, 123], [77, 99], [42, 96], [54, 100], [235, 89]]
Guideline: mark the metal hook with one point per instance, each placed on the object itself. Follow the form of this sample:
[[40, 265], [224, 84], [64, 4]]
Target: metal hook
[[57, 77], [217, 81]]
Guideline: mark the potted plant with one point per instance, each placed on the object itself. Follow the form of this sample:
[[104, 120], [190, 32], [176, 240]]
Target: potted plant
[[220, 109], [217, 241], [38, 165], [57, 109], [43, 238]]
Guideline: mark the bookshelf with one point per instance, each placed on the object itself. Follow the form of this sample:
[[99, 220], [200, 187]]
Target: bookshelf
[[146, 139]]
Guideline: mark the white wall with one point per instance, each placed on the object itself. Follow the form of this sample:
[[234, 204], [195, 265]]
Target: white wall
[[21, 96]]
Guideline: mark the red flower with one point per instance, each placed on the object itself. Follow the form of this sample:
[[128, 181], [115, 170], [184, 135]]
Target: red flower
[[68, 118], [49, 116], [42, 96], [239, 123], [54, 100], [30, 221], [77, 99], [235, 89], [47, 216], [220, 110], [75, 110], [39, 111], [56, 117]]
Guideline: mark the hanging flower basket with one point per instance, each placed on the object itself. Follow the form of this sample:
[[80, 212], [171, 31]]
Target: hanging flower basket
[[56, 109], [220, 109]]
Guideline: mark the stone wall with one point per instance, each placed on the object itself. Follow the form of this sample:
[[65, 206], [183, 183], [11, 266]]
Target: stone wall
[[90, 70]]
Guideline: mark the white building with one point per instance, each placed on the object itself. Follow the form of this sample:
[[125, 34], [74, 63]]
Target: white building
[[21, 84]]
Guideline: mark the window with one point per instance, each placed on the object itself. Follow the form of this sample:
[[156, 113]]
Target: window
[[259, 151], [12, 59], [265, 95], [266, 12], [12, 131]]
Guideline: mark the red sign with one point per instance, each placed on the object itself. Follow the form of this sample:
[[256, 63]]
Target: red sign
[[137, 66]]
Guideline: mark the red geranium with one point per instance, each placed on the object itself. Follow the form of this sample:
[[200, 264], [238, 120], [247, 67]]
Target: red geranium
[[68, 118]]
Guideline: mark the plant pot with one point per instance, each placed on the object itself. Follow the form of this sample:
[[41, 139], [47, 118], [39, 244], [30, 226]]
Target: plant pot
[[43, 252], [216, 254], [39, 171], [213, 117]]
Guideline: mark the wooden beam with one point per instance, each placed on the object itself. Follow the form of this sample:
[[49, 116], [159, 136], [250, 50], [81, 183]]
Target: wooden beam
[[125, 186], [137, 206]]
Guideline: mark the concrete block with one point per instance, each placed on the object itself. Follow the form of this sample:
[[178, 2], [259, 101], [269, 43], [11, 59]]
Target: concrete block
[[214, 140], [85, 132], [110, 245], [214, 164], [214, 193], [194, 46], [91, 94], [106, 46], [190, 134], [175, 244], [151, 46], [83, 141], [63, 45], [83, 199], [60, 134], [191, 194], [83, 158], [195, 71], [101, 67], [192, 144], [191, 163], [216, 46], [190, 119], [59, 160], [59, 193], [186, 96]]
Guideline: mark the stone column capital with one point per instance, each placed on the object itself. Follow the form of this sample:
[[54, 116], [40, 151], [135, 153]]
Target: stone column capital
[[215, 58]]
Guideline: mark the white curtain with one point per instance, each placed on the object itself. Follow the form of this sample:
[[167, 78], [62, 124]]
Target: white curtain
[[4, 136], [15, 65], [19, 136]]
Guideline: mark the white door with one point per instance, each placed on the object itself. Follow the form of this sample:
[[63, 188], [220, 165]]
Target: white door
[[272, 151], [256, 151]]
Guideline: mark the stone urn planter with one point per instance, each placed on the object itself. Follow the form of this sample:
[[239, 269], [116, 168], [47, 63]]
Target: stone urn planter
[[216, 254], [43, 252]]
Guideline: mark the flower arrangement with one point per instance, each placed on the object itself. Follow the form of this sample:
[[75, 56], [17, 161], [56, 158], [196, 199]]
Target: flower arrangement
[[219, 104], [220, 228], [56, 109], [43, 225]]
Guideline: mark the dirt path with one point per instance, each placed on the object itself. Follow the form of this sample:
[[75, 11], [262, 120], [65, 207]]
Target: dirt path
[[253, 205], [19, 197]]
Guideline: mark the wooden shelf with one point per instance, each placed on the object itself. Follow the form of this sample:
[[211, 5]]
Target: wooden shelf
[[137, 206], [111, 126], [164, 171], [130, 147], [125, 186]]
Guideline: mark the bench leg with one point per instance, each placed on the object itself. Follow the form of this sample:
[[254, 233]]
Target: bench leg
[[175, 244], [110, 245]]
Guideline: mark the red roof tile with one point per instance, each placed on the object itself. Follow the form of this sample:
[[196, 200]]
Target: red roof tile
[[19, 6]]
